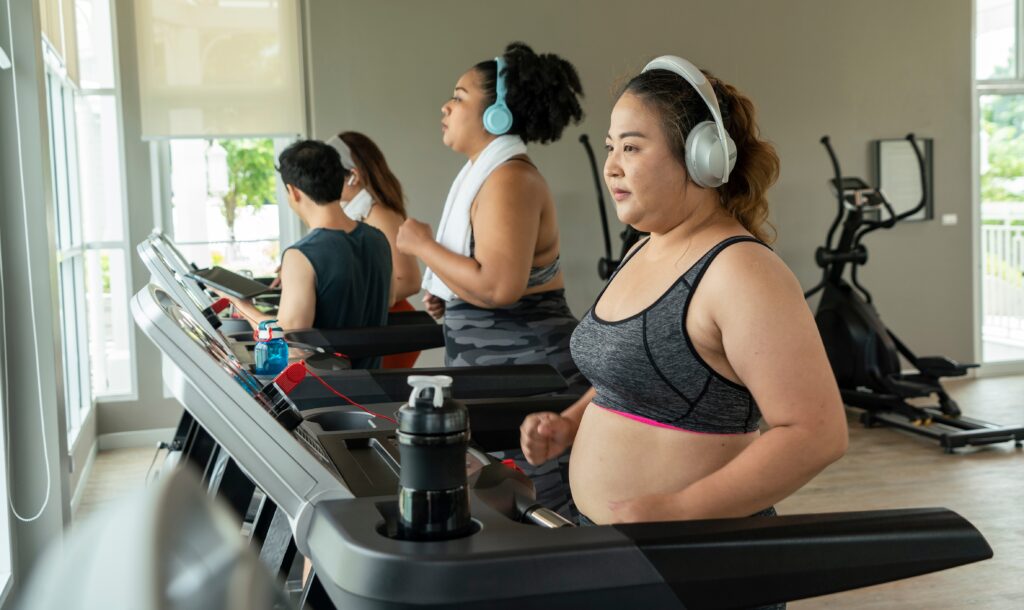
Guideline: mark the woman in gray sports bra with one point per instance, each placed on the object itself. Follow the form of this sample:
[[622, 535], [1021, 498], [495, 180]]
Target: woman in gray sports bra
[[701, 333]]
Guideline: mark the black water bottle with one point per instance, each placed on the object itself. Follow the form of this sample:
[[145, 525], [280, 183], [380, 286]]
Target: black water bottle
[[433, 433]]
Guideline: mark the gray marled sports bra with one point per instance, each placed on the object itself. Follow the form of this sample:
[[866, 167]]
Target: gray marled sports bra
[[646, 367]]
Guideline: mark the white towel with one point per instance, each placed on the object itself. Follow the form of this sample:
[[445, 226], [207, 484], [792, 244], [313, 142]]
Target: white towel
[[454, 230], [359, 207]]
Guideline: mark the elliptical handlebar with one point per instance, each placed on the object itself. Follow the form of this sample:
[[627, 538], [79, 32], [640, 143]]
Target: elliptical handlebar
[[857, 226], [827, 143], [924, 180], [893, 216], [607, 262]]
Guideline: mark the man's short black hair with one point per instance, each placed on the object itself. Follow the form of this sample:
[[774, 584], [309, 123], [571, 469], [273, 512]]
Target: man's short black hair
[[314, 168]]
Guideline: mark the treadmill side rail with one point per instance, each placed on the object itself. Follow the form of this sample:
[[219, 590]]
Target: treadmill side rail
[[727, 563], [776, 559]]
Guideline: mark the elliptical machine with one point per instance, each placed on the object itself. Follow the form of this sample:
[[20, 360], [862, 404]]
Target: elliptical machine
[[863, 352]]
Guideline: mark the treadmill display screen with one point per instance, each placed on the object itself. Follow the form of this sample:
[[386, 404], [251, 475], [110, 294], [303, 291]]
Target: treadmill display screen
[[183, 290], [231, 365], [230, 282], [224, 359]]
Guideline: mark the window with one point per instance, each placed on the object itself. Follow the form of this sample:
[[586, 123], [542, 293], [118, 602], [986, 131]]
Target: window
[[996, 44], [70, 253], [999, 86], [224, 202], [92, 249]]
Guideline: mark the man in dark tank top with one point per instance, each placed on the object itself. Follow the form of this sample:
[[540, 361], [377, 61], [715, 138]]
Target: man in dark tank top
[[339, 274]]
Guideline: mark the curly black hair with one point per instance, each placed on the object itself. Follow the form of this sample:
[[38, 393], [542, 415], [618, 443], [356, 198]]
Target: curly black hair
[[314, 168], [543, 92]]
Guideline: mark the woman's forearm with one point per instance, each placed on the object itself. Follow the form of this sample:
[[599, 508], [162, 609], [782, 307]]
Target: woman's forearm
[[466, 277], [774, 466], [405, 287], [407, 276]]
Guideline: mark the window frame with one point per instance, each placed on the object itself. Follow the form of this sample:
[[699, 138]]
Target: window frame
[[70, 251], [63, 97], [982, 88], [1013, 84]]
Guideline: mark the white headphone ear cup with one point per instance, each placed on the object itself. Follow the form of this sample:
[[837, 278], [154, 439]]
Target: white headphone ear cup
[[704, 159], [704, 155]]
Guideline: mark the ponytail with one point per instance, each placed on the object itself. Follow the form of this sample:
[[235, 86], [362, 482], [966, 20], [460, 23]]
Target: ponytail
[[744, 196]]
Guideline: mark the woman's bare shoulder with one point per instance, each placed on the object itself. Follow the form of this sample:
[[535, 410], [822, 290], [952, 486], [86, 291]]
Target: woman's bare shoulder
[[384, 218], [751, 269], [514, 181]]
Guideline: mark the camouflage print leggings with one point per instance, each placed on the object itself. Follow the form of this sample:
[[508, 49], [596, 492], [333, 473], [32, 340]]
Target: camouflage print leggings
[[534, 330]]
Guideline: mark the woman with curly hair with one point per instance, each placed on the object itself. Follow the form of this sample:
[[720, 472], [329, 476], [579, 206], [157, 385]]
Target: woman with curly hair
[[493, 270]]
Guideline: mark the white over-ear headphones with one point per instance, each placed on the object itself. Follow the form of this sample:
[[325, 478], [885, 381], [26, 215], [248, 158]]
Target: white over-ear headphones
[[710, 152]]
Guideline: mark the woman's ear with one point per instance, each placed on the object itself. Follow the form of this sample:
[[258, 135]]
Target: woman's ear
[[353, 177]]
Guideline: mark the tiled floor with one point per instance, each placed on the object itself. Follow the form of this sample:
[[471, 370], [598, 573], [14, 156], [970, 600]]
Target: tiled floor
[[883, 468]]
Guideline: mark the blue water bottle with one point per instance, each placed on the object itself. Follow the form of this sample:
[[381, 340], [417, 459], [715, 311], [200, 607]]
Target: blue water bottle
[[271, 351]]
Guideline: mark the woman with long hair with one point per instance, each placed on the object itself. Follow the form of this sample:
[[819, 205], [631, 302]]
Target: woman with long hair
[[701, 332], [372, 194]]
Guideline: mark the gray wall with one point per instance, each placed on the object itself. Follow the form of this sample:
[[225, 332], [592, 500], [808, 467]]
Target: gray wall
[[855, 70]]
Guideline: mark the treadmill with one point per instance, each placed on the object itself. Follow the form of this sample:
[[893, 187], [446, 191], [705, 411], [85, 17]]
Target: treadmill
[[337, 486], [406, 332]]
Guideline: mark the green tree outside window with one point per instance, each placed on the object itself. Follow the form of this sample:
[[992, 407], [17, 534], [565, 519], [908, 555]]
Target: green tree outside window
[[251, 177]]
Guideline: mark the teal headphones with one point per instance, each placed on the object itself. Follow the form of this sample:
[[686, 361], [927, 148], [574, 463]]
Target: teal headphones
[[498, 117]]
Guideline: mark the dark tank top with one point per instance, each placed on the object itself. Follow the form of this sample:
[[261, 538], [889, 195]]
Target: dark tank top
[[353, 279], [646, 366]]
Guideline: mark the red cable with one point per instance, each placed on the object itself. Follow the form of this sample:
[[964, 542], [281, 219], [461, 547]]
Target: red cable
[[346, 398], [328, 386]]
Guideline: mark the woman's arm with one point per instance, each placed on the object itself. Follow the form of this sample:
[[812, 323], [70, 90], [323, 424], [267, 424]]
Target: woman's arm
[[505, 227], [772, 343], [546, 435], [406, 270]]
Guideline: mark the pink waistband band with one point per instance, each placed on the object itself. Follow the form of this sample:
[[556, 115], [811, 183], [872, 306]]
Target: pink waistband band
[[651, 422]]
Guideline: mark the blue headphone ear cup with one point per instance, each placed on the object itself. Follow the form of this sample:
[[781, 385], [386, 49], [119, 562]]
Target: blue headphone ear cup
[[498, 118], [704, 160]]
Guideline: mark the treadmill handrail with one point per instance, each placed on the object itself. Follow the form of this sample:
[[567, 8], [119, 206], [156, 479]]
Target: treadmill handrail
[[725, 563], [371, 340]]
